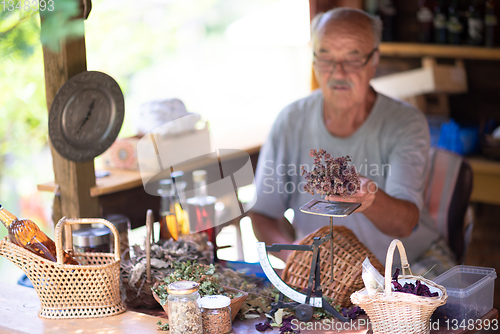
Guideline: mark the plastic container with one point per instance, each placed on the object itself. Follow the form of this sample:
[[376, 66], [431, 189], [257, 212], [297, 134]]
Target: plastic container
[[470, 292]]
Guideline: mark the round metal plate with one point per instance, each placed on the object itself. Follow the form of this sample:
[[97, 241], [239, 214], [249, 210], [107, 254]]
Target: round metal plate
[[86, 116]]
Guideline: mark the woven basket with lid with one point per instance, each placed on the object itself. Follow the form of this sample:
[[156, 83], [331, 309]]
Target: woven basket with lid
[[349, 254]]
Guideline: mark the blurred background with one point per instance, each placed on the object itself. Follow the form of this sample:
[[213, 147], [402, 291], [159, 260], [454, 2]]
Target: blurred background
[[224, 59]]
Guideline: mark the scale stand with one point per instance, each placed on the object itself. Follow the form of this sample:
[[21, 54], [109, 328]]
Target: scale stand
[[304, 303]]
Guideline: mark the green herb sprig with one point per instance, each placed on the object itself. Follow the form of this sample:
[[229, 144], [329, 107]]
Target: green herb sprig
[[196, 272]]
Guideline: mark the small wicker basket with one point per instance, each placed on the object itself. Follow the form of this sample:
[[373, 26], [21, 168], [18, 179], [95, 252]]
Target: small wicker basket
[[349, 254], [398, 312], [72, 291]]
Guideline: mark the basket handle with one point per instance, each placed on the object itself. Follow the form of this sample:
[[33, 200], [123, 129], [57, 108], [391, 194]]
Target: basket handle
[[388, 263], [64, 221], [149, 229]]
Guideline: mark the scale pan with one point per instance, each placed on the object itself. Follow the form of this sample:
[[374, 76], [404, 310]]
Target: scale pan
[[330, 209]]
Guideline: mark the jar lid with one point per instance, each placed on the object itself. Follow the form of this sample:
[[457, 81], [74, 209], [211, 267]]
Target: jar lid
[[91, 237], [177, 175], [215, 301], [182, 287], [121, 222], [199, 175], [165, 187]]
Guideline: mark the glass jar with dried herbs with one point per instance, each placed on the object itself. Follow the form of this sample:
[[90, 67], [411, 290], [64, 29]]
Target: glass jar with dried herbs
[[216, 314], [184, 314]]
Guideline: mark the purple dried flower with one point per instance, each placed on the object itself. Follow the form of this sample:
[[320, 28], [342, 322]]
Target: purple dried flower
[[396, 275], [331, 177], [263, 326], [352, 313], [419, 289], [287, 326]]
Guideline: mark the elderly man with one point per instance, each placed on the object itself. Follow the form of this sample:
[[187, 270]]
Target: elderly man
[[388, 141]]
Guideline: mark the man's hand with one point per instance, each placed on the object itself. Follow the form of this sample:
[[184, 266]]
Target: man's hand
[[392, 216], [364, 195]]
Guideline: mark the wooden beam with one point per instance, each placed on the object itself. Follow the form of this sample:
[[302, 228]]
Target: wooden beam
[[74, 179], [439, 51]]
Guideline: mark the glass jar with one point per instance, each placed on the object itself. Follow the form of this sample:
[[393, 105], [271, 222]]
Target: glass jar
[[91, 240], [184, 315], [122, 224], [216, 314]]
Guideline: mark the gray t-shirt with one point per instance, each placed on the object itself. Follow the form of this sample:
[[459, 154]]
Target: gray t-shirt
[[391, 148]]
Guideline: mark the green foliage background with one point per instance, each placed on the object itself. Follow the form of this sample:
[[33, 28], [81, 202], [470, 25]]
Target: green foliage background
[[23, 110], [132, 41]]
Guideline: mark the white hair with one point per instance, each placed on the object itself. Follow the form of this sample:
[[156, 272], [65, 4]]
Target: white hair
[[343, 12]]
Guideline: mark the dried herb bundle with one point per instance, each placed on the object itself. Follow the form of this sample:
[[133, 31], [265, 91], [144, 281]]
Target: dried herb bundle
[[332, 176]]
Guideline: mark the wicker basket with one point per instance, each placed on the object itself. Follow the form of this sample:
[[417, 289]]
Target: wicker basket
[[398, 312], [72, 291], [349, 254]]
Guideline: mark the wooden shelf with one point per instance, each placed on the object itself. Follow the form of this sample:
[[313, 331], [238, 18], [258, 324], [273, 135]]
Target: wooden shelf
[[439, 51], [486, 186], [118, 180], [247, 140]]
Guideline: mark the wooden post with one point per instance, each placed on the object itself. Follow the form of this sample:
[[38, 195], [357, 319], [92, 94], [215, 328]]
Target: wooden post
[[74, 179]]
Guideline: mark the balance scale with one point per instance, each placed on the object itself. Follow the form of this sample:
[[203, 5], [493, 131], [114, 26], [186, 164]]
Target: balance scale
[[304, 303]]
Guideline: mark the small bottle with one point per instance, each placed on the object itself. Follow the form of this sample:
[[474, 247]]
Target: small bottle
[[425, 21], [184, 315], [201, 209], [387, 13], [216, 314], [25, 233], [490, 21], [440, 22], [454, 25], [475, 24], [180, 197], [168, 222]]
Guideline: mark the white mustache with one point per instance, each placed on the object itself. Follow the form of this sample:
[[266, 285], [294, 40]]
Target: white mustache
[[335, 82]]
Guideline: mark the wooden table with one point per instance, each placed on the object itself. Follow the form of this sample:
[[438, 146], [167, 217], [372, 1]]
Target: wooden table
[[19, 306]]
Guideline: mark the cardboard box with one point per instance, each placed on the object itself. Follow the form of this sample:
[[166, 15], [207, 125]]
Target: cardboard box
[[431, 78], [159, 153]]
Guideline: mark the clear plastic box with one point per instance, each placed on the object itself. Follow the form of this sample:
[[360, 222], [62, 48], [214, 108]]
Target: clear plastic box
[[470, 292]]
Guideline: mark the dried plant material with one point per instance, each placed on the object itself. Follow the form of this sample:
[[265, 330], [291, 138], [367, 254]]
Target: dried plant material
[[331, 177], [216, 321], [136, 273], [419, 289], [159, 263], [202, 274], [184, 317], [163, 257]]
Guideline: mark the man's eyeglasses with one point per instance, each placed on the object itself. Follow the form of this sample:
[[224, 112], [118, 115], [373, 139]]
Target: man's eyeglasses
[[354, 66]]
